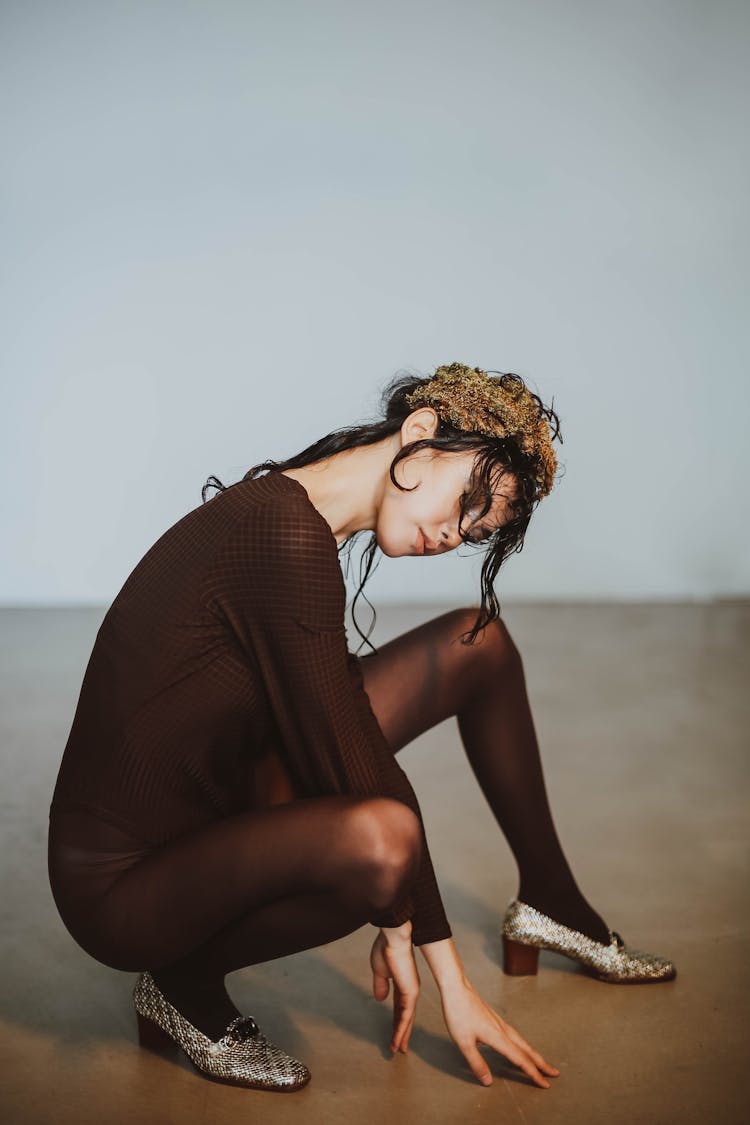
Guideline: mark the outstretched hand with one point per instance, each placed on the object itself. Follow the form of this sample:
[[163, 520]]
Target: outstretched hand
[[471, 1020], [396, 960]]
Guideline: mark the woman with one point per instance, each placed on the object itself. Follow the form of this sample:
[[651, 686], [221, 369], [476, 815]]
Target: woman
[[229, 791]]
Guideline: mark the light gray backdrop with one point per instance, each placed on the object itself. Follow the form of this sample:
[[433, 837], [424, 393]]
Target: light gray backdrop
[[226, 224]]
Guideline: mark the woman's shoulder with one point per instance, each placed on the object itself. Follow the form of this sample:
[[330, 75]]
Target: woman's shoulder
[[282, 495], [273, 515], [281, 547]]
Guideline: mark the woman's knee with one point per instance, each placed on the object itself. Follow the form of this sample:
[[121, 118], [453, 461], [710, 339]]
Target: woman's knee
[[494, 652], [388, 848]]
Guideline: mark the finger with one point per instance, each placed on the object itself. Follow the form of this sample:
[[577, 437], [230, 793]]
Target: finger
[[520, 1042], [402, 1020], [515, 1036], [401, 1026], [405, 1027], [521, 1059], [407, 1037], [477, 1064], [379, 986], [397, 1016]]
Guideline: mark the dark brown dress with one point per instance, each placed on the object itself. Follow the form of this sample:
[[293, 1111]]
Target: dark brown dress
[[221, 663]]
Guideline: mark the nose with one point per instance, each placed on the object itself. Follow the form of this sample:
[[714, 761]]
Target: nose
[[449, 539]]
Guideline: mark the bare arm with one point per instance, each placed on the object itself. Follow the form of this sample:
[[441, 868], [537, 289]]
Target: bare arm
[[445, 964]]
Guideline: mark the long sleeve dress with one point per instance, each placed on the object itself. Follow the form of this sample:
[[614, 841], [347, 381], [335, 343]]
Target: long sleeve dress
[[227, 639]]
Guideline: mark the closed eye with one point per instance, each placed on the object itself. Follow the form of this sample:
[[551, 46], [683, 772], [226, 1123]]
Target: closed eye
[[485, 532]]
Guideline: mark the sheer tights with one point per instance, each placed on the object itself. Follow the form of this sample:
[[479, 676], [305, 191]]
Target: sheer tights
[[425, 676], [245, 889], [297, 875]]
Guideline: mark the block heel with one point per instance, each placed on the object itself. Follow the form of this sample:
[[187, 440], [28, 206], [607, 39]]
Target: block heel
[[519, 960], [152, 1036]]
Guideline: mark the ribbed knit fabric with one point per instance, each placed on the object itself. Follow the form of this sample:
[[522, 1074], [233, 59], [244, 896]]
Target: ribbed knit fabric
[[227, 639]]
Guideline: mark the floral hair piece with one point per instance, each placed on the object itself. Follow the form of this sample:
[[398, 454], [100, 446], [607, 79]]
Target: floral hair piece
[[473, 401]]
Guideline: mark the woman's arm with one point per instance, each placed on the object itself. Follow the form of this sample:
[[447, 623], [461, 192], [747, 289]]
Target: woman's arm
[[445, 964], [470, 1019], [276, 585]]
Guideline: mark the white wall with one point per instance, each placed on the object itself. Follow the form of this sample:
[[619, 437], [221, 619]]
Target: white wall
[[227, 224]]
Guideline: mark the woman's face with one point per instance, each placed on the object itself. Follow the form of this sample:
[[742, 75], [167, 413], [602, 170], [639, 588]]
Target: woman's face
[[426, 521]]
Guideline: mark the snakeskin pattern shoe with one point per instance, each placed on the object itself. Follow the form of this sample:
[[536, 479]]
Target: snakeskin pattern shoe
[[242, 1057], [526, 930]]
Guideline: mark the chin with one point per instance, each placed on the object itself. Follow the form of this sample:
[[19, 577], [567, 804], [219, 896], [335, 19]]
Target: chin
[[389, 553], [392, 551]]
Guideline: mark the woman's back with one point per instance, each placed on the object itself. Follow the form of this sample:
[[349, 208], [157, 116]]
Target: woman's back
[[171, 712]]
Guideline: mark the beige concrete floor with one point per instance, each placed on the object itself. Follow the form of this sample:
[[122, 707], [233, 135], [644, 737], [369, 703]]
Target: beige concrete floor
[[642, 716]]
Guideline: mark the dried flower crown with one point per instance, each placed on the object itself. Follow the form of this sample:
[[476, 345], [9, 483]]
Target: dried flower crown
[[476, 402]]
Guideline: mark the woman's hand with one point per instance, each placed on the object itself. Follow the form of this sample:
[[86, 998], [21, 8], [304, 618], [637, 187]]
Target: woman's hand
[[470, 1020], [392, 955]]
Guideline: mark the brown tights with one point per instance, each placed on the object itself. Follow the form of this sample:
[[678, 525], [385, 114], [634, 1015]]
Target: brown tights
[[294, 876], [425, 676], [239, 891]]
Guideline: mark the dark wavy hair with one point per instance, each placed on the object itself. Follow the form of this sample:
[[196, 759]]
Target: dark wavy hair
[[496, 458]]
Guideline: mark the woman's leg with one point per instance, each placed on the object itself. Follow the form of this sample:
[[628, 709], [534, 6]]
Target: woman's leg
[[426, 675], [242, 890]]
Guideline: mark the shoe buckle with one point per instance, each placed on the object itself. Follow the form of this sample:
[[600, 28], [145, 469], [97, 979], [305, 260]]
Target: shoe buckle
[[241, 1028]]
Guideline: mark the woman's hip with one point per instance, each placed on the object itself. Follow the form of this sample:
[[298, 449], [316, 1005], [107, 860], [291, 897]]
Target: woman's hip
[[86, 854]]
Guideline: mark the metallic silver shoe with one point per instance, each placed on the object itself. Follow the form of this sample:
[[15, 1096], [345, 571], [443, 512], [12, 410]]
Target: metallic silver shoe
[[526, 930], [242, 1057]]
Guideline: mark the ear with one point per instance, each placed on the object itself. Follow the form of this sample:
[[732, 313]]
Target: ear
[[421, 423]]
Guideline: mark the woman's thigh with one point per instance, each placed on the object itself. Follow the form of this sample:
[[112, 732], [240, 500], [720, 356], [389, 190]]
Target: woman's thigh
[[130, 907], [427, 674]]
